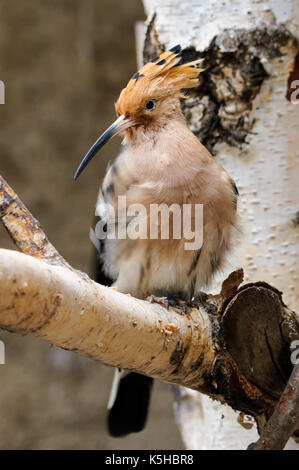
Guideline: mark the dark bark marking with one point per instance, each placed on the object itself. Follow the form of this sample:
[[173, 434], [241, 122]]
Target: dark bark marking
[[294, 75], [219, 109]]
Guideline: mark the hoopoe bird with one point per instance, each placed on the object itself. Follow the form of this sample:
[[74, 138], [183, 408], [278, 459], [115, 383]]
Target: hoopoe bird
[[163, 162]]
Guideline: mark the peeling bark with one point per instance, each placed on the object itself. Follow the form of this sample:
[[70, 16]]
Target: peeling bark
[[233, 76], [219, 109]]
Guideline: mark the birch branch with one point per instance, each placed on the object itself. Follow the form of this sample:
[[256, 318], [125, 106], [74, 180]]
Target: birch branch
[[212, 348]]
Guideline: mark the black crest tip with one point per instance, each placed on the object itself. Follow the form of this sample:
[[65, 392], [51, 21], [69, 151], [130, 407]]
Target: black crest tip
[[136, 76], [176, 49]]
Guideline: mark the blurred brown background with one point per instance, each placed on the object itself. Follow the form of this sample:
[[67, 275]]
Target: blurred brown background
[[63, 63]]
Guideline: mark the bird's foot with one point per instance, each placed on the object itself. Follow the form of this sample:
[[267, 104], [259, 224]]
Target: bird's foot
[[179, 305]]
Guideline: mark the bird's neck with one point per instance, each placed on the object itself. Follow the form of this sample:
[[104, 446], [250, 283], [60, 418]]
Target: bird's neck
[[172, 153]]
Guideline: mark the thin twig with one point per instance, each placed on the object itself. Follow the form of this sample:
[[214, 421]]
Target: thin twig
[[284, 420]]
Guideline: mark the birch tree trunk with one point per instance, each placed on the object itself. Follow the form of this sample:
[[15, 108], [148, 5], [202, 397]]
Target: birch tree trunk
[[245, 112]]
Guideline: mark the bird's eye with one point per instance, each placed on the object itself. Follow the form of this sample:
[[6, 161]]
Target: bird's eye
[[150, 105]]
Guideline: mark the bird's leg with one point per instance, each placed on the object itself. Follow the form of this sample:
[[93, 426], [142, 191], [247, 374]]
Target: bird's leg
[[178, 304]]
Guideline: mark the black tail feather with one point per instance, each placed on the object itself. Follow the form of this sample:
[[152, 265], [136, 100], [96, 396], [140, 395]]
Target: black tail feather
[[130, 409]]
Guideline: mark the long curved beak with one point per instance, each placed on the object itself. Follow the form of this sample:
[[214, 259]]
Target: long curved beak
[[119, 125]]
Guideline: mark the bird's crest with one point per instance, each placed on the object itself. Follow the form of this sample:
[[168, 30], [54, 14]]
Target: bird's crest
[[168, 66], [164, 75]]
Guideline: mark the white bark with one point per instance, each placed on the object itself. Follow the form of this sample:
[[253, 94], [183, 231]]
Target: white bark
[[206, 424], [66, 308], [265, 170]]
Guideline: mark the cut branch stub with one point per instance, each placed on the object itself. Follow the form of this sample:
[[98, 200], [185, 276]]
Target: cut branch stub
[[254, 336]]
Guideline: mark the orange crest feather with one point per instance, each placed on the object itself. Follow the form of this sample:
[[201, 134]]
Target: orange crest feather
[[165, 67]]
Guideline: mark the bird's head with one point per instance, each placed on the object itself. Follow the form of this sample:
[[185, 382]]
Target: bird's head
[[151, 97]]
